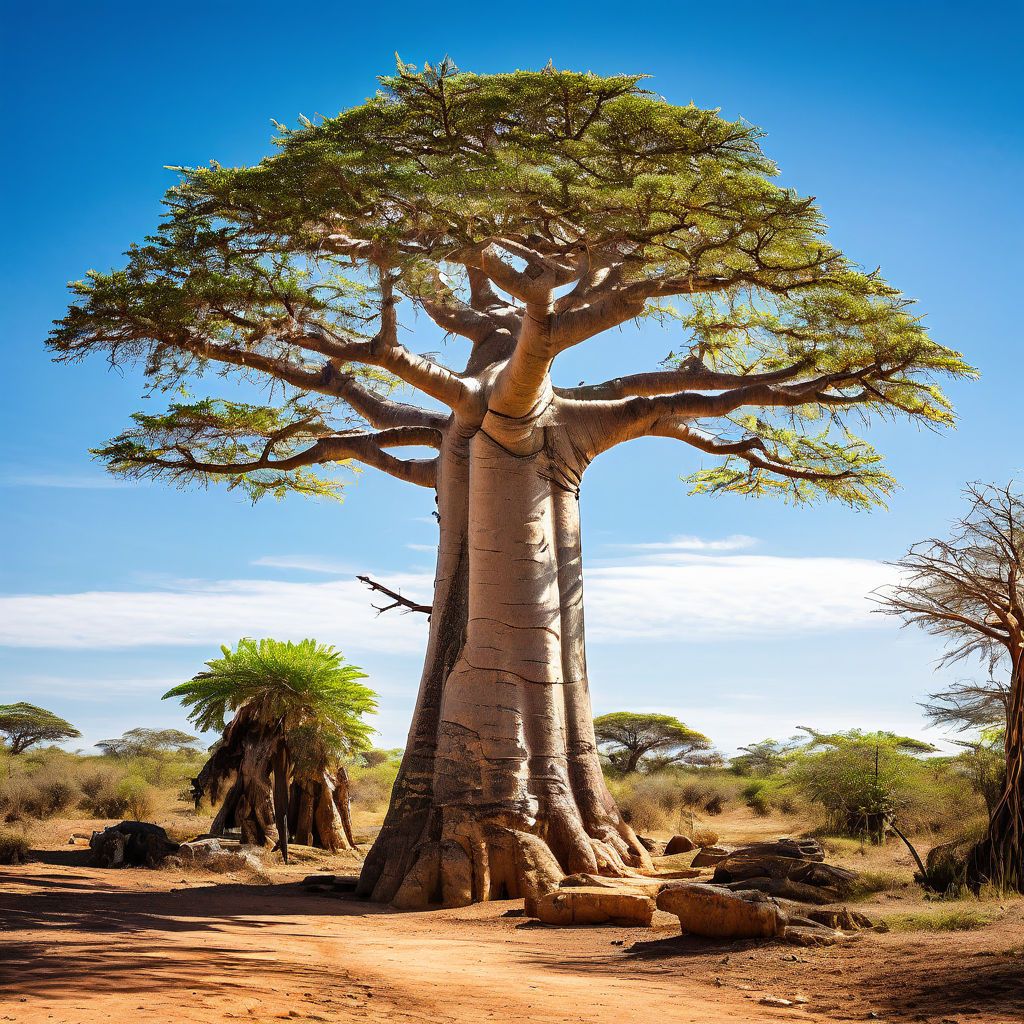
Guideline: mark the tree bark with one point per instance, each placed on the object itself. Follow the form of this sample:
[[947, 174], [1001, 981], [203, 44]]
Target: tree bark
[[500, 793], [999, 858]]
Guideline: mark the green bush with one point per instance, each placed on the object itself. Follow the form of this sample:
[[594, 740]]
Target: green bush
[[14, 848]]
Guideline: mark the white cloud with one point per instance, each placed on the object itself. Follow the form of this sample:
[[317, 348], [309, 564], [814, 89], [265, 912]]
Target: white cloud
[[205, 614], [695, 597], [734, 542], [305, 563], [678, 596]]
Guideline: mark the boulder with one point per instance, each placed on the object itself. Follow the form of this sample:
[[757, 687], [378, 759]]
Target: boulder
[[213, 855], [708, 856], [719, 914], [800, 849], [801, 935], [655, 846], [675, 866], [594, 905], [679, 844], [804, 880], [131, 844]]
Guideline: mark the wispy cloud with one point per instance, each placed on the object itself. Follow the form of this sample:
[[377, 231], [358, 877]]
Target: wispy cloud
[[688, 597], [305, 563], [734, 542]]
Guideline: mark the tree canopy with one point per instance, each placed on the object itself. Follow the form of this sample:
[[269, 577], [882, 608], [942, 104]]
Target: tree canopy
[[23, 725], [585, 201], [635, 741]]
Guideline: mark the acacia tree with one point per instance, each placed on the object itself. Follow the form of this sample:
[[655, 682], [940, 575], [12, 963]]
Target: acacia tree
[[649, 741], [969, 590], [527, 214], [23, 725], [142, 742]]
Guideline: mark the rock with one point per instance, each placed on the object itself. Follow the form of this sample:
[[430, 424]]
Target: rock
[[655, 846], [801, 935], [594, 905], [709, 856], [719, 914], [212, 855], [628, 883], [843, 918], [675, 866], [803, 880], [799, 849], [679, 844], [131, 844], [775, 1001]]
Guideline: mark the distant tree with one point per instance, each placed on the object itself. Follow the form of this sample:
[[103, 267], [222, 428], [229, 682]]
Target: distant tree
[[764, 758], [969, 590], [23, 725], [646, 742], [141, 742], [298, 715], [377, 755]]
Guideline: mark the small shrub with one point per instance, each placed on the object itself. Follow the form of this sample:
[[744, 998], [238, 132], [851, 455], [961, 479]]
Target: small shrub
[[370, 787], [705, 836], [138, 796], [40, 794], [14, 847], [868, 883]]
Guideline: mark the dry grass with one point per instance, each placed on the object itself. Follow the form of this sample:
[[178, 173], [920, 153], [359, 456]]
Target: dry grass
[[941, 919]]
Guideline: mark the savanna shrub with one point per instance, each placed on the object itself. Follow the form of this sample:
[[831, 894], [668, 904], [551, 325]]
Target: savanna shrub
[[14, 848], [370, 787]]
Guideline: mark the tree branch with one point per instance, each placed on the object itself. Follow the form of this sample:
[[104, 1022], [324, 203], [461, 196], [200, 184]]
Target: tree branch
[[397, 600]]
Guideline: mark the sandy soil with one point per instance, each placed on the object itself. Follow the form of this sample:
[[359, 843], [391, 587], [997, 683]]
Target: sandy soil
[[81, 945]]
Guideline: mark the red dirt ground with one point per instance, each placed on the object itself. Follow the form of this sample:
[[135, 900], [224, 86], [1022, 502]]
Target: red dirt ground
[[80, 945]]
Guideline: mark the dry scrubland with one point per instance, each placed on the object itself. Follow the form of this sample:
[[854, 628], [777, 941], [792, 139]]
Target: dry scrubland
[[82, 945]]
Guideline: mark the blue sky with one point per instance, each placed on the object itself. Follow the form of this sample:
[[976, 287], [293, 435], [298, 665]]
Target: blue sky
[[745, 618]]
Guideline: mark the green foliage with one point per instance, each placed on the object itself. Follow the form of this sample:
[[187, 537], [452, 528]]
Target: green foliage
[[256, 266], [861, 779], [23, 725], [183, 444], [635, 741], [304, 689], [766, 757]]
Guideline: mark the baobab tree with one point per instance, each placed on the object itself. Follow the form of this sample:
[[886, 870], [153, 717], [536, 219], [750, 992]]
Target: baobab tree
[[527, 214], [969, 590]]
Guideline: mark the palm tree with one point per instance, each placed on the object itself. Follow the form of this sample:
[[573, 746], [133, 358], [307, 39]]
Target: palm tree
[[298, 715]]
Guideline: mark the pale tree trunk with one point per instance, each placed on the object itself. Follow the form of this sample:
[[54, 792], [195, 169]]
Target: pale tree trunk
[[500, 793]]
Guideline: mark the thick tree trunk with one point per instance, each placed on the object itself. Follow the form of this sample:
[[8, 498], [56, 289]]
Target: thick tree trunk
[[500, 793], [999, 858]]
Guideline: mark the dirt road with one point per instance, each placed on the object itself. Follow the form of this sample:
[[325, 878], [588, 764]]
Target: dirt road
[[80, 945]]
